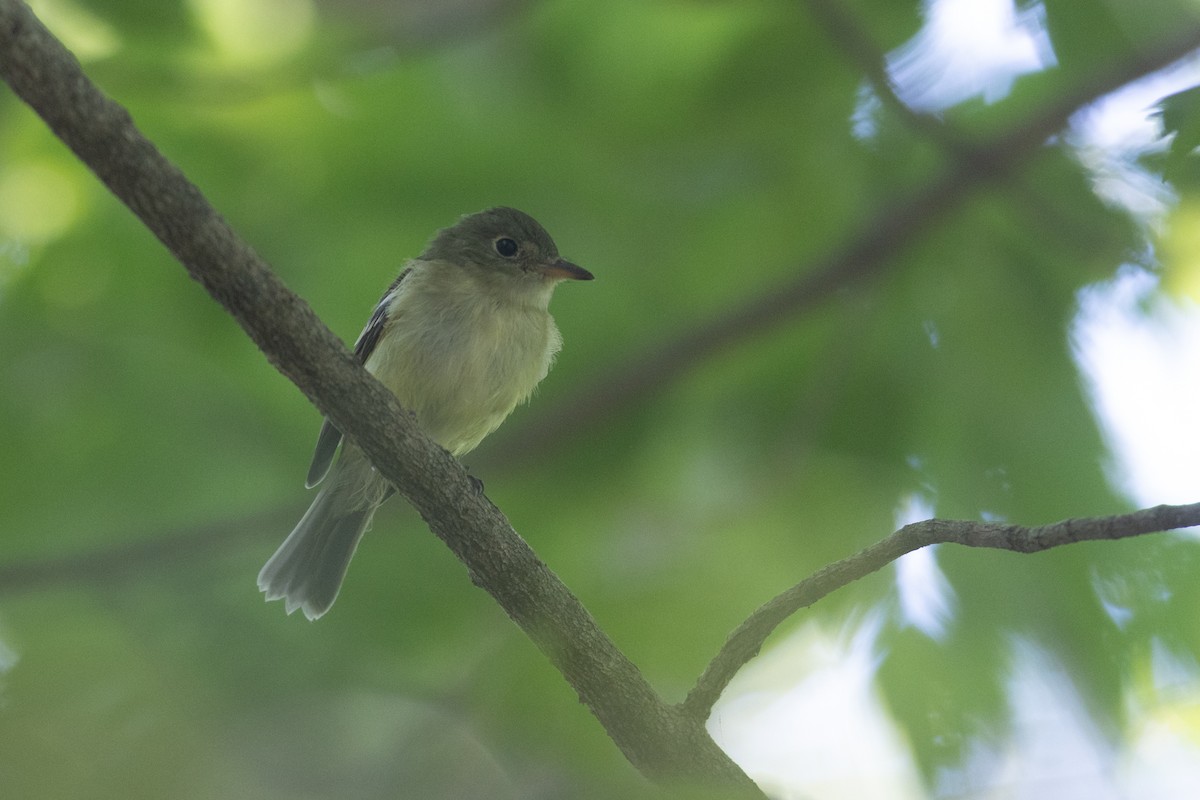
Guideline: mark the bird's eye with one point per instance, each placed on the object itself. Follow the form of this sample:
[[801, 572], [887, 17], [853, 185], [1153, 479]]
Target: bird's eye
[[506, 247]]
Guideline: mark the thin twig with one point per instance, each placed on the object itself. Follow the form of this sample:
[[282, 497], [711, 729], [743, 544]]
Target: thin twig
[[748, 638]]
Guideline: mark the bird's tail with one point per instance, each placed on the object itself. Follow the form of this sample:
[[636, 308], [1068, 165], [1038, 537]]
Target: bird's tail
[[306, 571]]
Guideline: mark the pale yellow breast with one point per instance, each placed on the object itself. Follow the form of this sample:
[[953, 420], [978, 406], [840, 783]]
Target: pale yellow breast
[[460, 361]]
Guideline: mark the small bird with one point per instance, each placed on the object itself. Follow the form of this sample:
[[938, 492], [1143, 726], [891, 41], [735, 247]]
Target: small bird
[[462, 337]]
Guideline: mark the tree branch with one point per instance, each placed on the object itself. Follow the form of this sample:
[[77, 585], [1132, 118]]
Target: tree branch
[[748, 638], [846, 31], [128, 560], [659, 740], [864, 253]]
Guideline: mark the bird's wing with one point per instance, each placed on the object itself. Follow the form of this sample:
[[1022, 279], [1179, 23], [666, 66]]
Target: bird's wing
[[329, 437], [327, 443]]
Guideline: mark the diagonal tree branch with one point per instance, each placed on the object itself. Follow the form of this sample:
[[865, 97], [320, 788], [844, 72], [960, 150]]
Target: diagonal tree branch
[[748, 638], [657, 738]]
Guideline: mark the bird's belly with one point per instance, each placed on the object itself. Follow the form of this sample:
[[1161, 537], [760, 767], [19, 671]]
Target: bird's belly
[[462, 387]]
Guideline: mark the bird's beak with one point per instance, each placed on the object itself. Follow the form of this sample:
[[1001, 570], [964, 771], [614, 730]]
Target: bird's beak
[[566, 271]]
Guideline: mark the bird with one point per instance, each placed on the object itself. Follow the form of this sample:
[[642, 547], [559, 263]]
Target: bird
[[462, 337]]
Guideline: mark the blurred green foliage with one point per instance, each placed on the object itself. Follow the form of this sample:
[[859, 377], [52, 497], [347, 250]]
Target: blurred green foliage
[[692, 155]]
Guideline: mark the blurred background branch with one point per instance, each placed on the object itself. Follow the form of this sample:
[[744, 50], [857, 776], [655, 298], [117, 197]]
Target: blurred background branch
[[142, 556], [864, 253]]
